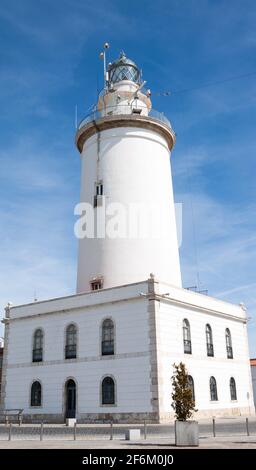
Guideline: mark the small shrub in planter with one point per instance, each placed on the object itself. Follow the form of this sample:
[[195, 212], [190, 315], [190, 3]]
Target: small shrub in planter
[[186, 432]]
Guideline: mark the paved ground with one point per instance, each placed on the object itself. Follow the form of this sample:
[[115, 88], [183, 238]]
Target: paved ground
[[163, 443], [230, 433]]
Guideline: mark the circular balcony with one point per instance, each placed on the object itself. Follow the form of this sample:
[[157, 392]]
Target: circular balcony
[[123, 115]]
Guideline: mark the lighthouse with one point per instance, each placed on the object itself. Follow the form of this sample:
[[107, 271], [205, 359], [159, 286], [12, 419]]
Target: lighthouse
[[126, 177], [106, 352]]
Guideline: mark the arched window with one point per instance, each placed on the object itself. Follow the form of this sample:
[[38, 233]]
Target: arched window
[[108, 391], [36, 394], [38, 346], [107, 337], [187, 337], [71, 340], [213, 389], [232, 386], [209, 341], [191, 386], [229, 344]]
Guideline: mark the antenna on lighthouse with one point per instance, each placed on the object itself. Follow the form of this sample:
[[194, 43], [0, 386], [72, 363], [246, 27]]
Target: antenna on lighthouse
[[103, 56]]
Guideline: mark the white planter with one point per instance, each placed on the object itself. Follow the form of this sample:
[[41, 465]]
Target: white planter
[[186, 433]]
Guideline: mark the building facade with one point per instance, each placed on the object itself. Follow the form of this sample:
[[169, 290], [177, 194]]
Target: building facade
[[253, 371], [108, 351], [1, 362]]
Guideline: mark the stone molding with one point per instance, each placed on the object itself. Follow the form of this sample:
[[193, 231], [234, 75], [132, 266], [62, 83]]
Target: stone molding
[[124, 120]]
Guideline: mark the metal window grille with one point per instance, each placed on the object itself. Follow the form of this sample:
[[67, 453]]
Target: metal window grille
[[187, 337], [209, 341], [229, 344], [107, 344], [36, 394], [232, 385], [70, 348], [213, 389], [191, 386], [37, 355], [108, 391]]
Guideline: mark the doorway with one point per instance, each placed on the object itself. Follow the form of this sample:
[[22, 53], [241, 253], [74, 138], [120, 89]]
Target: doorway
[[70, 399]]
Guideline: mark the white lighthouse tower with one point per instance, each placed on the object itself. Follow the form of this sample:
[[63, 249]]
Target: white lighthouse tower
[[126, 175], [107, 351]]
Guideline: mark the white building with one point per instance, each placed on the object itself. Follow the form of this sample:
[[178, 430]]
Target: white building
[[108, 350], [253, 371]]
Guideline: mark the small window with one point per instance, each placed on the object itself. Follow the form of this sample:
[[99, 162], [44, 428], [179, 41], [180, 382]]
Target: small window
[[213, 389], [38, 346], [97, 284], [71, 339], [209, 341], [191, 386], [107, 338], [99, 189], [36, 394], [98, 194], [232, 385], [187, 337], [229, 344], [108, 391]]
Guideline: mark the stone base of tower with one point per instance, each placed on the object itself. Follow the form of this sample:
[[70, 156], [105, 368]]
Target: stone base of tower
[[148, 322]]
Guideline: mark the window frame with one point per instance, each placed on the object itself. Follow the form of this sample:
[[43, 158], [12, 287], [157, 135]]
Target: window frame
[[112, 340], [35, 348], [213, 380], [229, 347], [66, 345], [31, 405], [232, 389], [187, 343], [108, 376], [209, 344], [191, 384]]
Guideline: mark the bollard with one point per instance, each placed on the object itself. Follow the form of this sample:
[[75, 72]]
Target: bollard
[[74, 431], [41, 430], [10, 432], [213, 427], [145, 429], [111, 430], [247, 426]]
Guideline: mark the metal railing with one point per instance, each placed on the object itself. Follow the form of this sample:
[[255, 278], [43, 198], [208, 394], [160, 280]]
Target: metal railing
[[210, 351], [229, 352], [107, 347], [187, 346], [110, 430], [70, 351], [124, 109], [37, 355]]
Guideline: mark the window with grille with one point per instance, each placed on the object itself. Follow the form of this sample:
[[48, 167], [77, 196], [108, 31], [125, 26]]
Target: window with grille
[[71, 340], [108, 391], [98, 194], [213, 389], [107, 338], [37, 355], [209, 341], [232, 385], [97, 284], [191, 386], [187, 337], [36, 394], [229, 344]]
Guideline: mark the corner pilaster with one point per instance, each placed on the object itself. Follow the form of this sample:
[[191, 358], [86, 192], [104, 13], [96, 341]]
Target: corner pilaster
[[6, 322], [153, 308]]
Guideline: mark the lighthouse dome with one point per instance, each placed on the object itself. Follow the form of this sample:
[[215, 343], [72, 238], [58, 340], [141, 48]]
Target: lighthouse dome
[[123, 69]]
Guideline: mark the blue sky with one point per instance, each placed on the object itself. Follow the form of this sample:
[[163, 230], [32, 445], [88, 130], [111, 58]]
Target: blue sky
[[49, 52]]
